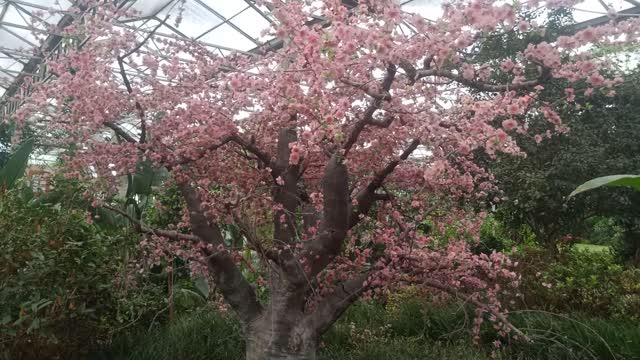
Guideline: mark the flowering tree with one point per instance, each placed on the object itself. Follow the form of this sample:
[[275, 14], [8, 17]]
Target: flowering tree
[[329, 154]]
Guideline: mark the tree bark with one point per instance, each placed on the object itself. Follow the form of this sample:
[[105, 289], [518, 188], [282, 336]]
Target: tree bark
[[282, 331], [278, 335]]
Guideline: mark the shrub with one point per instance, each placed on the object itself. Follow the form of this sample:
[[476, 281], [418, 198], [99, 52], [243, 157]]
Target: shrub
[[580, 281], [63, 281], [369, 331]]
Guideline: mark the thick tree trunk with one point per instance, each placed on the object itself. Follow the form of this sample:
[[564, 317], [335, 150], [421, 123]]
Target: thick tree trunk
[[281, 337], [283, 330]]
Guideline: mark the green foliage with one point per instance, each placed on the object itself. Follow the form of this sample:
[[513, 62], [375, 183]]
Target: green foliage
[[602, 140], [15, 165], [205, 334], [591, 282], [604, 231], [494, 236], [64, 283], [413, 331]]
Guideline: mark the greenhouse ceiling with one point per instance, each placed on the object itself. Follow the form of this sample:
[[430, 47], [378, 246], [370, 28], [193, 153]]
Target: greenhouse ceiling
[[224, 26]]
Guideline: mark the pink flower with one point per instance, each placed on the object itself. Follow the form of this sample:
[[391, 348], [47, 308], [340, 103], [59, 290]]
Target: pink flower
[[523, 25], [588, 92], [509, 124], [507, 65], [464, 149], [588, 35], [468, 73], [570, 94], [514, 109], [596, 79], [294, 157]]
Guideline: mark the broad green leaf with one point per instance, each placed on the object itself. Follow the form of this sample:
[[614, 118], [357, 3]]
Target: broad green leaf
[[202, 285], [145, 177], [611, 180], [16, 165]]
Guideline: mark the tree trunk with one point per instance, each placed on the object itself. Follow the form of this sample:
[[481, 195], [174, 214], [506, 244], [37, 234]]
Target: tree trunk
[[275, 337], [283, 330]]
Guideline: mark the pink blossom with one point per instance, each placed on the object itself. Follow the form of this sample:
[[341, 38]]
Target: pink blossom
[[509, 124]]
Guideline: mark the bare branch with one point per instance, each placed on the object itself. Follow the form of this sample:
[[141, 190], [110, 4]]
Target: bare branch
[[120, 132], [450, 290], [378, 96], [140, 227], [367, 196], [334, 305], [235, 288], [223, 141], [367, 117], [482, 86], [149, 35], [334, 224], [249, 146]]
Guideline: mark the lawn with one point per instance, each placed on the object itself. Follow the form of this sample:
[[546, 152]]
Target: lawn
[[592, 247]]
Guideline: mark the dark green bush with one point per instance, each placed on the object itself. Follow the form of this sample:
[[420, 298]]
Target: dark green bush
[[62, 280], [590, 282], [369, 331]]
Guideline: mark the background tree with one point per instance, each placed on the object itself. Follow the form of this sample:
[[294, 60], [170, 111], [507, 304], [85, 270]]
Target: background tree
[[302, 149], [602, 140]]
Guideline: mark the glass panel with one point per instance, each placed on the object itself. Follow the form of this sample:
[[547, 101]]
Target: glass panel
[[251, 23], [149, 7], [226, 8], [9, 40], [429, 9], [195, 18], [591, 9], [13, 16], [15, 67], [5, 61], [228, 37]]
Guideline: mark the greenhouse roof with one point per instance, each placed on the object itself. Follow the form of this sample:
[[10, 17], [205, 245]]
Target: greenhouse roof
[[225, 26]]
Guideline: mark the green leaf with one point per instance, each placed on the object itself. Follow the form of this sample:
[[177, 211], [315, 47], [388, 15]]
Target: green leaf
[[16, 165], [202, 285], [611, 180], [145, 177]]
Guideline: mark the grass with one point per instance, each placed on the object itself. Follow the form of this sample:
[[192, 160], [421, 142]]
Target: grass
[[368, 331], [592, 247]]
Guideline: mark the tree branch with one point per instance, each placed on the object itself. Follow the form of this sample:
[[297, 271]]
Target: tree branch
[[320, 251], [450, 290], [261, 155], [120, 132], [482, 86], [367, 117], [286, 193], [127, 84], [234, 287], [367, 196], [334, 305], [140, 227]]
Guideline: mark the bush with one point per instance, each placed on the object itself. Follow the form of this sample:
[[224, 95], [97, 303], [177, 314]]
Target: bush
[[203, 334], [63, 281], [412, 331], [580, 281]]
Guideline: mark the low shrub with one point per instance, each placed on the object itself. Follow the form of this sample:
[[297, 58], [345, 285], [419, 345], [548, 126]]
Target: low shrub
[[412, 331], [63, 284], [582, 281]]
